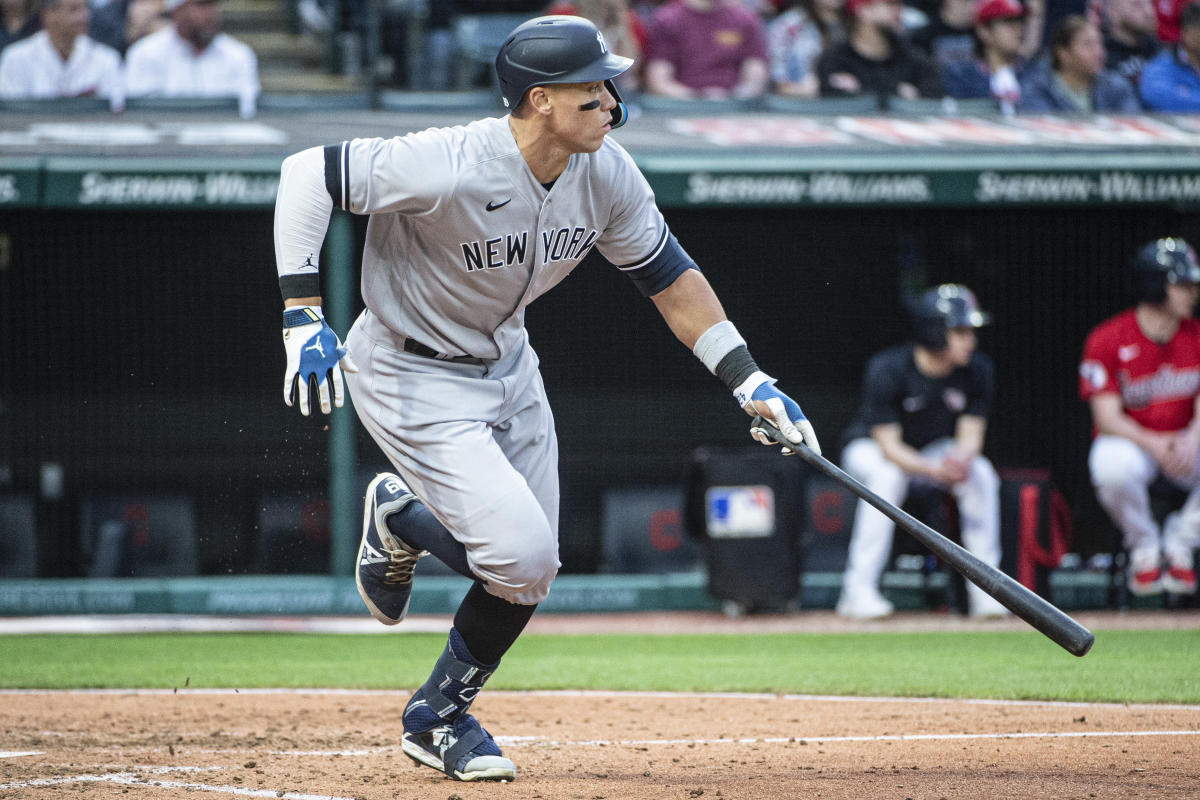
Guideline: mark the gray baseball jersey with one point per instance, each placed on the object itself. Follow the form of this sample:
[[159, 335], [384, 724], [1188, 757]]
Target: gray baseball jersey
[[461, 239], [462, 236]]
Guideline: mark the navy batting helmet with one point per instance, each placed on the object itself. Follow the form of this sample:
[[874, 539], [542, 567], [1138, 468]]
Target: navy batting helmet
[[1163, 261], [950, 305], [558, 49]]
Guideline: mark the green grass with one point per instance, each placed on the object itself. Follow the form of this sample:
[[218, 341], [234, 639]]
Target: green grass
[[1123, 666]]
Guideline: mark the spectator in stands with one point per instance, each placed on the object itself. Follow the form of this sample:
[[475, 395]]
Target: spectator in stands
[[995, 71], [120, 23], [875, 59], [1075, 81], [192, 58], [1129, 37], [645, 8], [1169, 14], [946, 36], [922, 424], [766, 9], [795, 40], [60, 60], [436, 51], [436, 20], [622, 28], [708, 49], [18, 20], [1170, 81], [1140, 376]]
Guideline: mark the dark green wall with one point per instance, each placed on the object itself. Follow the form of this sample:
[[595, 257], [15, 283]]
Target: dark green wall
[[141, 351]]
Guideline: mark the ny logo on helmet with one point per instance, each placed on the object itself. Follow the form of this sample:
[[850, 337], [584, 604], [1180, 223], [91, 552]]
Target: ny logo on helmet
[[600, 39]]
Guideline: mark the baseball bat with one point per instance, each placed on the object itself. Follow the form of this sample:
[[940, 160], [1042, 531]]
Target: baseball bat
[[1029, 606]]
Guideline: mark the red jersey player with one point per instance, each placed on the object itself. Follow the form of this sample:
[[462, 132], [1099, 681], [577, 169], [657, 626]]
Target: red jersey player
[[1140, 375]]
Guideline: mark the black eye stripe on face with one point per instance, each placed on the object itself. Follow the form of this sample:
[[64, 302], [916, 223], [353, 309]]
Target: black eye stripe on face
[[590, 106]]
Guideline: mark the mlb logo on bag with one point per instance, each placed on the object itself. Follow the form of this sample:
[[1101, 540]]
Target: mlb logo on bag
[[740, 512]]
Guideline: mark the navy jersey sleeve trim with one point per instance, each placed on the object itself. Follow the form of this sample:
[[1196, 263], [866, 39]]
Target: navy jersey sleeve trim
[[660, 269], [337, 173]]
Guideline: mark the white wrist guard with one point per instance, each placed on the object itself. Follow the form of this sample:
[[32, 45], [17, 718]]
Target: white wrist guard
[[716, 343]]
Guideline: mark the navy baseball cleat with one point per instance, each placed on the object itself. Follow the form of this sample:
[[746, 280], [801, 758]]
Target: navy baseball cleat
[[385, 564], [462, 749]]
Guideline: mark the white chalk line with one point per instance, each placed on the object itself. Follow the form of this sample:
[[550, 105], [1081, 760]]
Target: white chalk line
[[603, 693], [133, 779], [539, 741], [140, 779], [519, 741], [130, 779], [20, 753]]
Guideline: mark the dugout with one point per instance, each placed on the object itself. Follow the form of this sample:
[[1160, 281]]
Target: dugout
[[139, 311]]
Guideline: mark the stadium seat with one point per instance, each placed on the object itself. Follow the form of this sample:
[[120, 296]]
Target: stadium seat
[[822, 106], [18, 536], [293, 535], [942, 107], [56, 105], [477, 38], [199, 104], [658, 104], [939, 510], [140, 535], [299, 103], [643, 532], [481, 101]]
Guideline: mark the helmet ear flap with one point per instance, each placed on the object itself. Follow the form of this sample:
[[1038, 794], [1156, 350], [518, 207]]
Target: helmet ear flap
[[620, 114]]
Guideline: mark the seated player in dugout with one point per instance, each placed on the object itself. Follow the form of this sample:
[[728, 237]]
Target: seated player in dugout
[[923, 420], [1140, 376], [468, 225]]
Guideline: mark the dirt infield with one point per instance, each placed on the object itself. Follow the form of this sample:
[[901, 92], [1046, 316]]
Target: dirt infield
[[343, 745]]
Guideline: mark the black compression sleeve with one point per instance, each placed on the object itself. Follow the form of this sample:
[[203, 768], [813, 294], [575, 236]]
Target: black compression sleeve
[[735, 367]]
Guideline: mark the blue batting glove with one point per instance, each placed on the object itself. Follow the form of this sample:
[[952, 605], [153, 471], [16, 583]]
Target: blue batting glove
[[758, 395], [313, 352]]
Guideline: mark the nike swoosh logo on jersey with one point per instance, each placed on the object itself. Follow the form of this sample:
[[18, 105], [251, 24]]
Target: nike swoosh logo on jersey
[[1128, 352], [493, 206]]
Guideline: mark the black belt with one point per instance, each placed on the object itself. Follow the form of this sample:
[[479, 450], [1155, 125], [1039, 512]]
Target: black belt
[[411, 345]]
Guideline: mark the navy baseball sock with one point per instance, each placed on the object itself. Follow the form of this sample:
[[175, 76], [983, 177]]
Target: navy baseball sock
[[418, 527]]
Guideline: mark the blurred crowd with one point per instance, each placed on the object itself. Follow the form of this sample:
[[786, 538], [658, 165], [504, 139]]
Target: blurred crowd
[[1070, 56], [119, 49], [1061, 56]]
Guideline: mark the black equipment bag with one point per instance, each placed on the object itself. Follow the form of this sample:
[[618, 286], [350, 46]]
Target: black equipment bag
[[746, 506]]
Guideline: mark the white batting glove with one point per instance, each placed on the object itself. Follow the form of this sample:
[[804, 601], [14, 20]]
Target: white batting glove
[[758, 391], [313, 353]]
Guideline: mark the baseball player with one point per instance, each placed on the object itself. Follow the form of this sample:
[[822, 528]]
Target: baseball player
[[1140, 375], [922, 420], [468, 226]]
